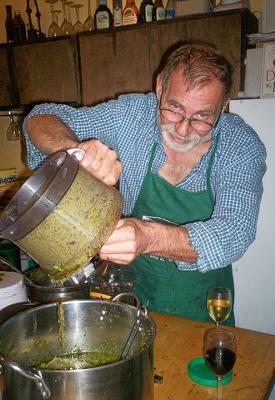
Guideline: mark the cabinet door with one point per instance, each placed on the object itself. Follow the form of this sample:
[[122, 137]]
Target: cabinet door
[[113, 63], [225, 31], [47, 72], [6, 87]]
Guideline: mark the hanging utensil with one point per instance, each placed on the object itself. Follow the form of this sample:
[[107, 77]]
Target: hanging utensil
[[141, 314]]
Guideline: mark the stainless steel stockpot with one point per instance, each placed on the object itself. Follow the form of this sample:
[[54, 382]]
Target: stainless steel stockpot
[[89, 325]]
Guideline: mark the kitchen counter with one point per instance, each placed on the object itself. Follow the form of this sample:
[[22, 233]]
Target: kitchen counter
[[180, 340]]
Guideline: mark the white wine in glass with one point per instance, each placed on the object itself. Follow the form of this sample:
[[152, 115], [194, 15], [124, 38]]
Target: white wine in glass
[[219, 304]]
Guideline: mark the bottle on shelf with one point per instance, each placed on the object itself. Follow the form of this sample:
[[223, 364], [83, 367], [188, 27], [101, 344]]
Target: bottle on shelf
[[145, 11], [170, 11], [103, 16], [130, 13], [19, 28], [9, 24], [158, 11], [117, 11]]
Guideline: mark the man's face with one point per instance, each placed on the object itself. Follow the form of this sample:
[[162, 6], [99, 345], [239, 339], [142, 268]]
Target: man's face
[[186, 117]]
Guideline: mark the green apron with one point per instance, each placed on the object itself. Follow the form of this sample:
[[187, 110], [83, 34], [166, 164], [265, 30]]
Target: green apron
[[158, 282]]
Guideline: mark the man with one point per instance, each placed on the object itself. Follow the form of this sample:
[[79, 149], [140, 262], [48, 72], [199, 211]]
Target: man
[[191, 176]]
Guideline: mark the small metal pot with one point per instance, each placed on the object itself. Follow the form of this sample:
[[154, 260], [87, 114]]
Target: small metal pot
[[41, 290], [89, 324]]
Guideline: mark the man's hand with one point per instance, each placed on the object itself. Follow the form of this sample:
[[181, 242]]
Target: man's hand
[[100, 161], [133, 237], [125, 243]]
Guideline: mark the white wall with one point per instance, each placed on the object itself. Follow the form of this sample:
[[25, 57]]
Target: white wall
[[254, 273]]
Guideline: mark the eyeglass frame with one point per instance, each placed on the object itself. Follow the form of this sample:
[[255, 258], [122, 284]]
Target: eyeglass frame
[[190, 120]]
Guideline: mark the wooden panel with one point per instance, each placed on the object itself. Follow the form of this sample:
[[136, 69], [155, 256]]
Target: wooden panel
[[46, 71], [210, 29], [6, 89], [113, 63]]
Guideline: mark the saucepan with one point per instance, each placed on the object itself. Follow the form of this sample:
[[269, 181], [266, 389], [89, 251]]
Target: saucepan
[[29, 339]]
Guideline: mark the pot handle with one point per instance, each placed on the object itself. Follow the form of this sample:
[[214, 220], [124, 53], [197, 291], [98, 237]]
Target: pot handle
[[126, 294], [31, 373], [13, 309]]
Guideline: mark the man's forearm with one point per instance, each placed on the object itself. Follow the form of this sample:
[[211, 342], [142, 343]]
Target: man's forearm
[[169, 241], [49, 134]]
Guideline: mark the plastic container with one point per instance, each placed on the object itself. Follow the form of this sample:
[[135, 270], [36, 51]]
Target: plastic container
[[199, 373], [12, 289], [61, 216]]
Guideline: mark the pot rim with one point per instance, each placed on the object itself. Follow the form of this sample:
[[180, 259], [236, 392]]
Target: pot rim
[[75, 371]]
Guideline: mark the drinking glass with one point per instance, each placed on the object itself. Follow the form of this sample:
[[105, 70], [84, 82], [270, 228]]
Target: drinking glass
[[68, 5], [66, 27], [219, 351], [78, 26], [219, 304], [14, 128], [53, 30], [89, 24]]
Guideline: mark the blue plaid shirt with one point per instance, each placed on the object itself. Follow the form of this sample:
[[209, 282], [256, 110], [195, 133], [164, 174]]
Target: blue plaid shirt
[[129, 126]]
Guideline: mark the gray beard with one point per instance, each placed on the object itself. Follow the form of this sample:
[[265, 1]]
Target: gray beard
[[193, 139]]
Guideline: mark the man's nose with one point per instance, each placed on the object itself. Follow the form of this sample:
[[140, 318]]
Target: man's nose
[[183, 128]]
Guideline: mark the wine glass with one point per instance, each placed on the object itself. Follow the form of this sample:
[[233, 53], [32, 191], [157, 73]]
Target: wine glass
[[68, 5], [66, 27], [219, 351], [219, 303], [14, 128], [54, 30], [78, 26], [89, 24]]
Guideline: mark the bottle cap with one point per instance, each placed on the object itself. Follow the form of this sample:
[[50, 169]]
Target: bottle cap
[[199, 373]]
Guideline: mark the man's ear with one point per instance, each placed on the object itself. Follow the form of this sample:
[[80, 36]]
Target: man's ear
[[159, 88], [225, 104]]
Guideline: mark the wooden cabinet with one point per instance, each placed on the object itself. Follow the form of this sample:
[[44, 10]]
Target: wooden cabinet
[[6, 82], [46, 72], [114, 62], [92, 67]]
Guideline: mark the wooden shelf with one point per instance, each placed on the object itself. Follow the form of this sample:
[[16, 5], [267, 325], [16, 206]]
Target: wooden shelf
[[91, 67]]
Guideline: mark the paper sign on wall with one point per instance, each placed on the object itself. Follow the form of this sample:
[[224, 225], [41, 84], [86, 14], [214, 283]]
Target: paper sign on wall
[[268, 71]]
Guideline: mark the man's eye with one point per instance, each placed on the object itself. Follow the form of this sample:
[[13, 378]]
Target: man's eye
[[201, 116]]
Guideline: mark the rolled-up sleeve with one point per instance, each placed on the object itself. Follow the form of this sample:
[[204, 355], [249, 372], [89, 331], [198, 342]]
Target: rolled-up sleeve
[[237, 188]]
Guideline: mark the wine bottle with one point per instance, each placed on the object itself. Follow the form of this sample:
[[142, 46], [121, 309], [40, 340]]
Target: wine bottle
[[170, 11], [117, 11], [9, 24], [130, 13], [19, 29], [145, 11], [103, 16], [158, 11]]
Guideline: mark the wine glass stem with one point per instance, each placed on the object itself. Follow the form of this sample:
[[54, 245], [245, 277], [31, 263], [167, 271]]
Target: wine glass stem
[[217, 325], [219, 388]]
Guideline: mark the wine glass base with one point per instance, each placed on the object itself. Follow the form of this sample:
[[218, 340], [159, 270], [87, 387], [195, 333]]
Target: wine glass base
[[199, 373]]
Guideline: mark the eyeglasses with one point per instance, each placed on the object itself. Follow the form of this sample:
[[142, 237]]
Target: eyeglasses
[[197, 124]]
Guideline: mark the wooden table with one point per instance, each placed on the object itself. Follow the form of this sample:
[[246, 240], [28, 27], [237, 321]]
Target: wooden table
[[180, 340]]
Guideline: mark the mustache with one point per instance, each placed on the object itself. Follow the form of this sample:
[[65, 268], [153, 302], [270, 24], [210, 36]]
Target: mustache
[[192, 140]]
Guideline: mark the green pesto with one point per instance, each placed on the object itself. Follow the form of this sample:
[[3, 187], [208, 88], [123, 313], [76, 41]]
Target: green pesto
[[71, 235], [76, 360]]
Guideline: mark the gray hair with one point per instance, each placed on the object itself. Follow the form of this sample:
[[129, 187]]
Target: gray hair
[[201, 63]]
